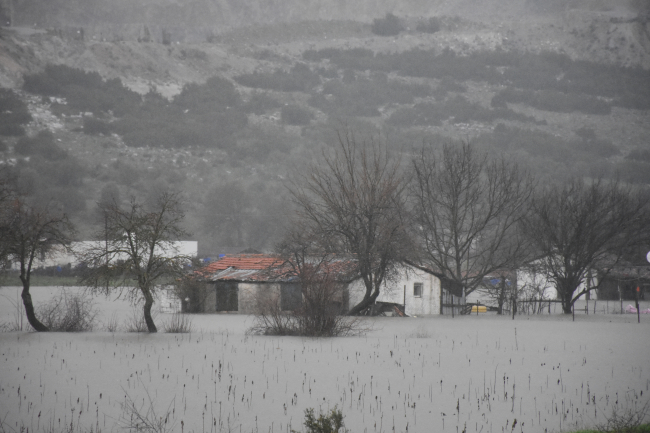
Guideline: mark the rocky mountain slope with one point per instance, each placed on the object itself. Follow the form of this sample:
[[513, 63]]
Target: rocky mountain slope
[[101, 35], [165, 44]]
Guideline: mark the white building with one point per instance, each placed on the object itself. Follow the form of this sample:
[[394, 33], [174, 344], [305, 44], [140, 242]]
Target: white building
[[419, 292]]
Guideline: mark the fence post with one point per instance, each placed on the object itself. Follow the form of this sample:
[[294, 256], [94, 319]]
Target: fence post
[[452, 306], [636, 301]]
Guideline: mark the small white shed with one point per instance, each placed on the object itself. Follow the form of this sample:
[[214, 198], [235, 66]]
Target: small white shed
[[419, 291]]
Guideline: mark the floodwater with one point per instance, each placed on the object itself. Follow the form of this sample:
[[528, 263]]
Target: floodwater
[[480, 373]]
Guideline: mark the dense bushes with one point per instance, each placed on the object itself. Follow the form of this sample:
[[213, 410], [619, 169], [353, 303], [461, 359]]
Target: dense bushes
[[458, 108], [628, 87], [430, 26], [295, 115], [203, 115], [216, 95], [84, 91], [363, 96], [42, 145], [539, 144], [390, 25], [260, 102], [92, 126], [299, 79], [551, 100], [13, 114]]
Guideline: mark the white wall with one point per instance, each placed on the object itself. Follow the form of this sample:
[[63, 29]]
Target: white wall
[[400, 291], [541, 283]]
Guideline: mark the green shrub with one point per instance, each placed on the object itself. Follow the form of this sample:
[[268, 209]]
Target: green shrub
[[390, 25], [332, 423]]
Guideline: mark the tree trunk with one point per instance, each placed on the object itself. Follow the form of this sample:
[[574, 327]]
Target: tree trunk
[[29, 308], [367, 301], [148, 303], [566, 293]]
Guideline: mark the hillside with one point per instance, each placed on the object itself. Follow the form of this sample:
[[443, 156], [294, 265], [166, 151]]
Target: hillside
[[559, 85]]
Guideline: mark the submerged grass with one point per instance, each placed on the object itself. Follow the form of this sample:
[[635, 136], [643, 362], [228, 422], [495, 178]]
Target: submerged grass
[[644, 428]]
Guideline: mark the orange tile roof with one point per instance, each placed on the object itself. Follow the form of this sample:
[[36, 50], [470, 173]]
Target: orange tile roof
[[262, 267], [243, 261]]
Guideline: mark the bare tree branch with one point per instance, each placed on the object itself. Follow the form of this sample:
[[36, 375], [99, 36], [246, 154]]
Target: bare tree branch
[[136, 249], [352, 204], [577, 227], [29, 233], [466, 207]]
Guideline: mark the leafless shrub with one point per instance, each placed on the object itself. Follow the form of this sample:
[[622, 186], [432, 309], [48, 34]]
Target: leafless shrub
[[179, 323], [112, 324], [143, 417], [18, 314], [625, 418], [319, 315], [269, 317], [420, 332], [68, 312]]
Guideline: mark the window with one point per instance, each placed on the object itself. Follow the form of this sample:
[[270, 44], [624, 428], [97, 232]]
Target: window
[[417, 290]]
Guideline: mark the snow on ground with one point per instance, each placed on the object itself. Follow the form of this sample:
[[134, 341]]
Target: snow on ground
[[470, 373]]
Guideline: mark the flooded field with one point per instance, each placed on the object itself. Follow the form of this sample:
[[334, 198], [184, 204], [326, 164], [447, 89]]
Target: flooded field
[[541, 373]]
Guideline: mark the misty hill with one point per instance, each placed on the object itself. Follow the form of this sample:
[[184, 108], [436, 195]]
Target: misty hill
[[224, 99]]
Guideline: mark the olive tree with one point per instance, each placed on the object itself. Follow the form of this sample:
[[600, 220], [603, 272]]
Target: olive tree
[[135, 249]]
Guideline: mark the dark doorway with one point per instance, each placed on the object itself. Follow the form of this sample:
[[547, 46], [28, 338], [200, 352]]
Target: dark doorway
[[227, 296]]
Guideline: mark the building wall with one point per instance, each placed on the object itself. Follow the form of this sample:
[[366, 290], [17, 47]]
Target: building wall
[[246, 296], [248, 293], [168, 300], [401, 291], [210, 304], [537, 283]]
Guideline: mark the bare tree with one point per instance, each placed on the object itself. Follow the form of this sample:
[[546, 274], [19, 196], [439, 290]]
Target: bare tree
[[577, 227], [351, 203], [29, 233], [135, 251], [466, 207], [500, 287]]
